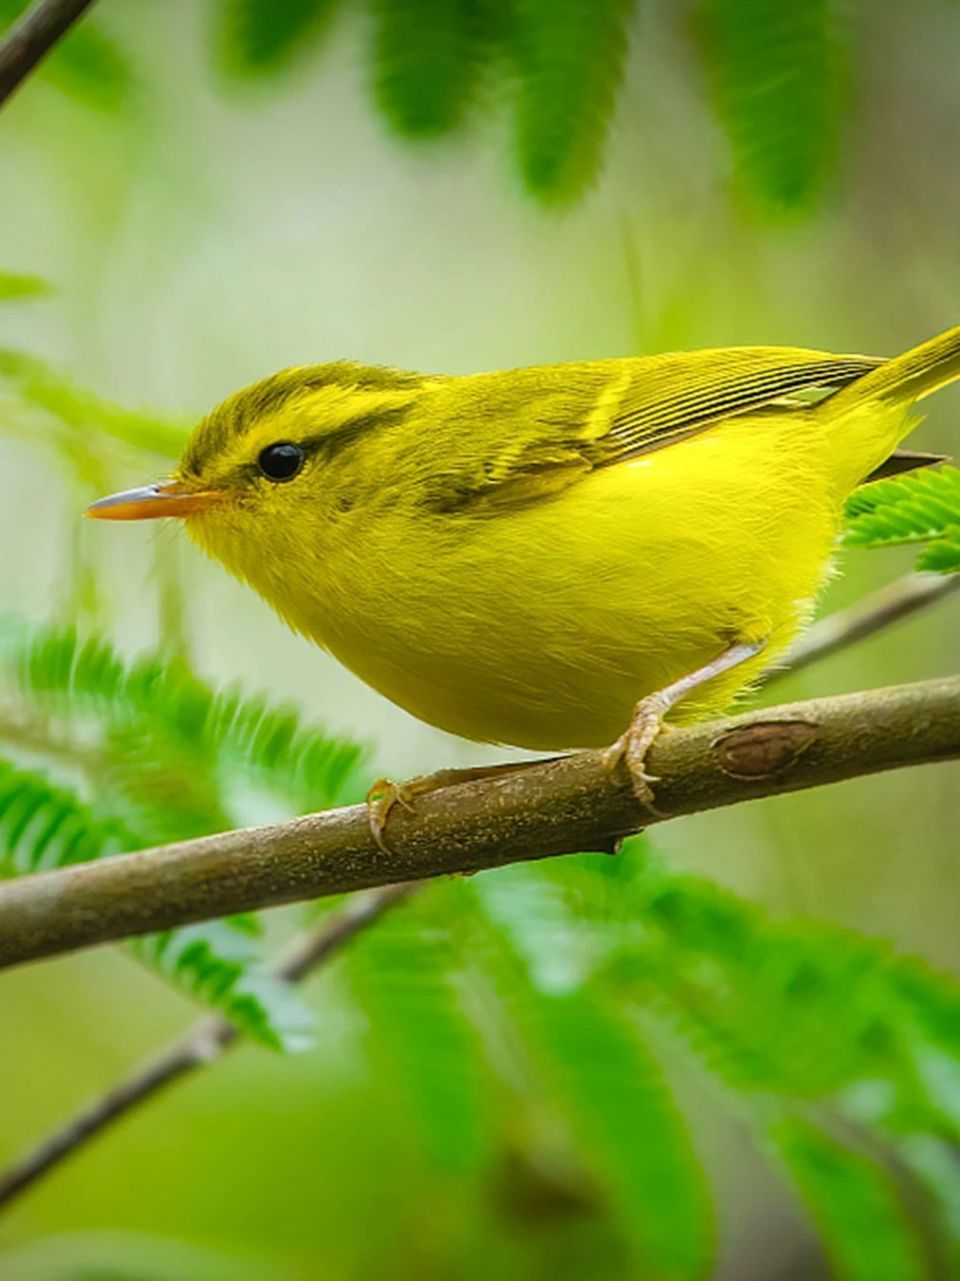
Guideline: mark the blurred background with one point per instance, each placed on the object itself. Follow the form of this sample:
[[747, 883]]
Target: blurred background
[[203, 219]]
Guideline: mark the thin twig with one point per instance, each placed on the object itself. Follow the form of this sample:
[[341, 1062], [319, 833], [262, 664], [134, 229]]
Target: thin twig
[[561, 806], [203, 1043], [879, 610], [31, 38]]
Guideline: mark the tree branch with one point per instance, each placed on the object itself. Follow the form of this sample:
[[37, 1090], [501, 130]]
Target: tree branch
[[560, 806], [32, 37], [889, 604], [202, 1044]]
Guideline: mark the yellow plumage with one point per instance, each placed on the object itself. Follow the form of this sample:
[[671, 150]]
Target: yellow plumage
[[519, 557]]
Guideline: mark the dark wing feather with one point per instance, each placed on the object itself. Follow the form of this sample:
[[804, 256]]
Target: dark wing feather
[[687, 393]]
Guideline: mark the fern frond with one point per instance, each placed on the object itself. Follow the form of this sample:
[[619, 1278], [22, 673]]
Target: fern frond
[[163, 703], [569, 56], [864, 1226], [403, 976], [260, 37], [923, 506], [427, 55], [778, 74], [629, 1131], [800, 1010], [43, 826], [221, 967]]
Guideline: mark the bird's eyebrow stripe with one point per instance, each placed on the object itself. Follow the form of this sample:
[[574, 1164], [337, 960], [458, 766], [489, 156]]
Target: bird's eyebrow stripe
[[331, 443]]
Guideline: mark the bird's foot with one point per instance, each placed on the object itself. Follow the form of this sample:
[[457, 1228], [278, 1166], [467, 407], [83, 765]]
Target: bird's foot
[[385, 795], [631, 748]]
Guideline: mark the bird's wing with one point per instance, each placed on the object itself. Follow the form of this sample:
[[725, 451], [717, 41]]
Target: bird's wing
[[673, 396], [557, 423]]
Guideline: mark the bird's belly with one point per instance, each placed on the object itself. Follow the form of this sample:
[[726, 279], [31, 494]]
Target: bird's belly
[[542, 627]]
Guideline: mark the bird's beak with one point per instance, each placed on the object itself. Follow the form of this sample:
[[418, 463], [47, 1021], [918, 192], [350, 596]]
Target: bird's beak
[[172, 498]]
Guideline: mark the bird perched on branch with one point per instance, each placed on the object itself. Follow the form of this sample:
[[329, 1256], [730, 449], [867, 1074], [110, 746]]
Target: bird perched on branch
[[552, 557]]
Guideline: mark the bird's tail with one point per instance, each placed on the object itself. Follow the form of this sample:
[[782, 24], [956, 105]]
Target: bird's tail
[[867, 420], [908, 378]]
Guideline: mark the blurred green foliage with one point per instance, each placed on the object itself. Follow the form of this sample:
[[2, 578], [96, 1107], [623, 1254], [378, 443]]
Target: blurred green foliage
[[822, 1037], [779, 73], [523, 1031]]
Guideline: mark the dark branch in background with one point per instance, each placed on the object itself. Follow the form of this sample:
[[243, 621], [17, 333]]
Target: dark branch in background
[[202, 1044], [887, 605], [32, 37], [561, 806]]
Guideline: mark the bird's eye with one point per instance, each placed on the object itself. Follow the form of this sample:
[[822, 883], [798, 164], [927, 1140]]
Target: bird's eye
[[281, 461]]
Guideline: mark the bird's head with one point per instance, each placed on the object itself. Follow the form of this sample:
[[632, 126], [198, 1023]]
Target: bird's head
[[275, 465]]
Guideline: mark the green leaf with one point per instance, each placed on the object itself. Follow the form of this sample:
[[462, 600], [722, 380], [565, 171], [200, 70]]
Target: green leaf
[[15, 287], [795, 1009], [865, 1230], [629, 1131], [219, 964], [427, 55], [85, 64], [263, 37], [778, 74], [158, 706], [569, 56], [923, 506], [402, 974], [43, 825], [538, 948]]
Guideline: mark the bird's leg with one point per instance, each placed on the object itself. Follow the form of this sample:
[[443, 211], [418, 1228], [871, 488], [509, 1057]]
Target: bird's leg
[[648, 716], [385, 794]]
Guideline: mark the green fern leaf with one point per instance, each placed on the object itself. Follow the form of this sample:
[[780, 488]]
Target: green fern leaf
[[161, 705], [262, 37], [427, 55], [538, 948], [15, 287], [853, 1201], [629, 1131], [797, 1009], [43, 826], [570, 57], [403, 976], [220, 966], [778, 74], [923, 506], [85, 64]]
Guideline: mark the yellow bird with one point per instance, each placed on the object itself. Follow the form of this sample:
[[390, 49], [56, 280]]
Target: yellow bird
[[527, 557]]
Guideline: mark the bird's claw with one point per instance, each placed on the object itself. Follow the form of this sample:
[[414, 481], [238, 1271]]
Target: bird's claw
[[383, 795], [632, 747]]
